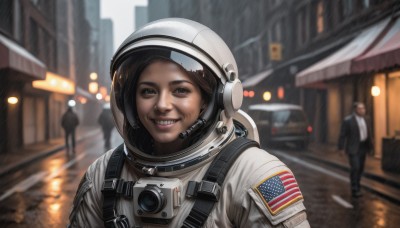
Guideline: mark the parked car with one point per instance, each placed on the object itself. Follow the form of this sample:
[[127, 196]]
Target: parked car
[[279, 124]]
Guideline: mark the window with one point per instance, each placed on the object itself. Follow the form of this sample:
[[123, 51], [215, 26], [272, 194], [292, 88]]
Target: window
[[34, 37], [345, 8], [17, 27], [6, 15], [320, 17], [302, 27], [288, 116], [276, 32], [365, 3]]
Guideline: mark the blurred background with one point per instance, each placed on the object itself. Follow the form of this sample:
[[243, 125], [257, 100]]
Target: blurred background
[[318, 55]]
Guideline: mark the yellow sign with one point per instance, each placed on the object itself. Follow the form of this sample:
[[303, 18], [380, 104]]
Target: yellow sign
[[275, 51]]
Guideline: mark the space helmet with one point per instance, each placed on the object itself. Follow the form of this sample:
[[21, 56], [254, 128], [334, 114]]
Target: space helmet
[[197, 50]]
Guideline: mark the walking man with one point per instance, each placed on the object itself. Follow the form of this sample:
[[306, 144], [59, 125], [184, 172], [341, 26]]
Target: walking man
[[107, 125], [355, 140], [69, 122]]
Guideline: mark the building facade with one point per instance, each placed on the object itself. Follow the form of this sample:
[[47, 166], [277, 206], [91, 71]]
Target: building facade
[[354, 72], [44, 52], [276, 41]]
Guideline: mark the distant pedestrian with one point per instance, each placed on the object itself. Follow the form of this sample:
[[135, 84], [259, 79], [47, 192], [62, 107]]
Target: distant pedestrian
[[107, 125], [356, 140], [69, 122]]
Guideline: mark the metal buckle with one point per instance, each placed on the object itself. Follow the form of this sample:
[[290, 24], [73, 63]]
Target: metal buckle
[[112, 223], [209, 190], [109, 185], [118, 222]]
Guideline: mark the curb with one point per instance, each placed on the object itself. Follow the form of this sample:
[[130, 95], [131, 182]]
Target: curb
[[41, 155], [372, 176], [390, 190]]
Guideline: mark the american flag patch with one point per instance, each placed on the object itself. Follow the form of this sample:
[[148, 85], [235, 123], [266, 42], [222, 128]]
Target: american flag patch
[[279, 191]]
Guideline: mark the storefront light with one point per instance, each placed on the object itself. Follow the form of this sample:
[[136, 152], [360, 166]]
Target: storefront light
[[99, 96], [395, 74], [251, 93], [55, 83], [267, 96], [93, 87], [83, 100], [375, 91], [281, 92], [12, 100], [93, 76], [71, 103]]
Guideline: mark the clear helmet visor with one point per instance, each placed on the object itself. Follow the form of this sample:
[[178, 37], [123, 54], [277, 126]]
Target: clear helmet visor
[[125, 77]]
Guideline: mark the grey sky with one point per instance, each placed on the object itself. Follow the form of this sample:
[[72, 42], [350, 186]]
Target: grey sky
[[122, 14]]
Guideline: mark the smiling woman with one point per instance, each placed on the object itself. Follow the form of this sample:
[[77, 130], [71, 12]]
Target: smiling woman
[[175, 98], [168, 102]]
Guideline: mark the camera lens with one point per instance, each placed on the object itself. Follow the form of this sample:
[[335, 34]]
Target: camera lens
[[151, 199]]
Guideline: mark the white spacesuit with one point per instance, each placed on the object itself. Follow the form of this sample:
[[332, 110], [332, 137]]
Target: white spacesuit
[[153, 189]]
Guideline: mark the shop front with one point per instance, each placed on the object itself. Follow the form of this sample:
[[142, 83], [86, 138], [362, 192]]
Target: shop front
[[343, 86], [59, 89], [18, 68], [366, 70], [383, 61]]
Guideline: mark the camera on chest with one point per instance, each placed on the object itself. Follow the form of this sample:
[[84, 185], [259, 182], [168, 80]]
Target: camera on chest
[[156, 197]]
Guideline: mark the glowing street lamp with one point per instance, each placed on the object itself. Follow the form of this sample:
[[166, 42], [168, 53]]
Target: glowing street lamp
[[99, 96], [12, 100], [267, 96], [93, 87], [375, 91], [71, 103], [93, 76]]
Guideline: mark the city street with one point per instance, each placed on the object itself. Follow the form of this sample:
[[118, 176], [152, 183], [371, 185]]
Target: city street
[[41, 194], [320, 79], [328, 199]]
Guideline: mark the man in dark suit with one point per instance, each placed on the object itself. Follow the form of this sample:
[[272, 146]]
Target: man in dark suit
[[356, 139]]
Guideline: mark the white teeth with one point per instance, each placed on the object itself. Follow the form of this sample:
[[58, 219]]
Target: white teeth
[[165, 122]]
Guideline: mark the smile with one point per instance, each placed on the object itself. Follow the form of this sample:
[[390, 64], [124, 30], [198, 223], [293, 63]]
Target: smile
[[165, 122]]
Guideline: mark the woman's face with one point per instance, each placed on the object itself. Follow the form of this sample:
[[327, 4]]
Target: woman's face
[[168, 103]]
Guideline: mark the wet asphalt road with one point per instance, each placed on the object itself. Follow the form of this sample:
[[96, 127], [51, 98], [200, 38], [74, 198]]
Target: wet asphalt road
[[41, 194], [328, 198]]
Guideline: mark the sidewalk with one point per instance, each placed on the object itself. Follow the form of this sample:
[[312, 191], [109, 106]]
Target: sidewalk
[[386, 184], [16, 160]]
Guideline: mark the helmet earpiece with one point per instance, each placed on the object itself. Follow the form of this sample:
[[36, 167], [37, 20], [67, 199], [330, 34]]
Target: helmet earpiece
[[232, 95]]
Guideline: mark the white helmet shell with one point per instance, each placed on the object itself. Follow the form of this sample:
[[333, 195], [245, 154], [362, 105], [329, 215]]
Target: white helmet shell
[[205, 46]]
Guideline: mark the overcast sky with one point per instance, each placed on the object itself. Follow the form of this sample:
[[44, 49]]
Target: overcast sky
[[122, 14]]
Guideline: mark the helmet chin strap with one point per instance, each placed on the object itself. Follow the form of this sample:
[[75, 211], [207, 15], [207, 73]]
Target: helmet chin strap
[[203, 119]]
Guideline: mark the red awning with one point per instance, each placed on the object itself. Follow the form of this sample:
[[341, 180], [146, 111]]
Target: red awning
[[17, 58], [340, 62], [386, 53]]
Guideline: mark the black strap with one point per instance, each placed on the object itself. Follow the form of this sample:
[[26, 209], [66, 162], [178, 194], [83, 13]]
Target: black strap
[[112, 186], [216, 173]]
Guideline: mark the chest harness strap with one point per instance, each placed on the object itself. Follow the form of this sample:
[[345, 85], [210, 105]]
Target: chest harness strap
[[207, 192], [113, 187]]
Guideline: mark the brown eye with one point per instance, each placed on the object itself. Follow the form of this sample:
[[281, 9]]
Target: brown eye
[[181, 91], [147, 92]]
